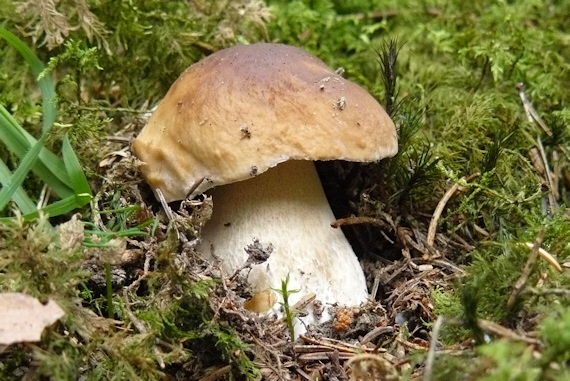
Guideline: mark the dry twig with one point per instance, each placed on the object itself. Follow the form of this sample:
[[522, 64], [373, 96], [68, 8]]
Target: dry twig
[[531, 113], [372, 335], [521, 282], [366, 366], [546, 256], [441, 205], [431, 353], [548, 291], [548, 175], [217, 373], [361, 220], [347, 348], [499, 330]]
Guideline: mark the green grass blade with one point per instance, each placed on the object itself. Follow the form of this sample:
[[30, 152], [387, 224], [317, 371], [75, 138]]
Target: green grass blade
[[12, 134], [24, 203], [64, 206], [18, 177], [58, 208], [76, 176], [46, 84], [50, 168]]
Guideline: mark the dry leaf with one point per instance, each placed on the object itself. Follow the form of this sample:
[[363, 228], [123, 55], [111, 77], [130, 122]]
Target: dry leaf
[[261, 302], [23, 318], [71, 233]]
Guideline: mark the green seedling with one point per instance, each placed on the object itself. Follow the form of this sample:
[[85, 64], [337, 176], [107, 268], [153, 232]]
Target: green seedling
[[116, 228], [290, 312]]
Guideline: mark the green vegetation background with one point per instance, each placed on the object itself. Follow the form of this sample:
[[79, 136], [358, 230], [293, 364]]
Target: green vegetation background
[[459, 65]]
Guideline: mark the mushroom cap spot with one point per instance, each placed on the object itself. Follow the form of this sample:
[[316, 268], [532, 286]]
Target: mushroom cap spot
[[245, 109]]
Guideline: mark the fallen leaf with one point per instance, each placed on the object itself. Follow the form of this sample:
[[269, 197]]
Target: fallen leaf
[[71, 233], [23, 318], [261, 302]]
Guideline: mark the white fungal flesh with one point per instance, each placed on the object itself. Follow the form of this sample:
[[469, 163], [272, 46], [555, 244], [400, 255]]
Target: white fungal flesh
[[285, 206]]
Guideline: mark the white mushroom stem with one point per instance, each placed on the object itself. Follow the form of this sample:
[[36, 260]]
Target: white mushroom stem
[[285, 206]]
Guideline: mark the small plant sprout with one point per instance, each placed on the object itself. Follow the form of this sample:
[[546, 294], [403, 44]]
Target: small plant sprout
[[289, 311]]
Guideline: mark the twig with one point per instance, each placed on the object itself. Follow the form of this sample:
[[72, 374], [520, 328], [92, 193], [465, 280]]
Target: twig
[[521, 282], [136, 321], [441, 263], [360, 220], [307, 348], [357, 348], [531, 113], [303, 374], [410, 345], [376, 15], [165, 205], [495, 329], [441, 205], [431, 353], [379, 15], [118, 139], [96, 212], [375, 286], [372, 335], [499, 330], [557, 174], [205, 46], [536, 160], [217, 373], [342, 349], [111, 109], [546, 256], [462, 242], [367, 366], [549, 291], [168, 211], [323, 356], [481, 231], [548, 175], [404, 235]]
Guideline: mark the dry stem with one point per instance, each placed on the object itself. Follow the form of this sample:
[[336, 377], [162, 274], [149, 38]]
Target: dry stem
[[441, 205], [521, 282]]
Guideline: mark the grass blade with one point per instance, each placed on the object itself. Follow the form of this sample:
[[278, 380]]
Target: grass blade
[[50, 168], [18, 177], [74, 170], [46, 84], [24, 203], [63, 206], [57, 208]]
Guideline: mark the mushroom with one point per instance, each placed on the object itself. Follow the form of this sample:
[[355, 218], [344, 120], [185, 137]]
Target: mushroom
[[246, 124]]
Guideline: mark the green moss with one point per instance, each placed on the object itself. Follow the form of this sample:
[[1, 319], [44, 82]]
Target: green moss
[[555, 331]]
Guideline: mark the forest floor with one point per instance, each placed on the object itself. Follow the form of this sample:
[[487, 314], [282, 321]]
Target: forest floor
[[463, 235]]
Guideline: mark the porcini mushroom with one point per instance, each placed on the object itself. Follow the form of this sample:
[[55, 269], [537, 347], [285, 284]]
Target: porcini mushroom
[[246, 124]]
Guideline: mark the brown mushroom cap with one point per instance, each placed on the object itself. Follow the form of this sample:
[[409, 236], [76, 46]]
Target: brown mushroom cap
[[245, 109]]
